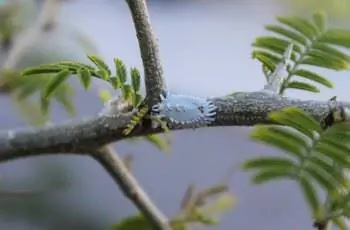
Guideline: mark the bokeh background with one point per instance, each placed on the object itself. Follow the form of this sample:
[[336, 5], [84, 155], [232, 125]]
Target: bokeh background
[[205, 47]]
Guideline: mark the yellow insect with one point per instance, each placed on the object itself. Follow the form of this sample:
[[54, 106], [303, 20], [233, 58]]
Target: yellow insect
[[135, 120]]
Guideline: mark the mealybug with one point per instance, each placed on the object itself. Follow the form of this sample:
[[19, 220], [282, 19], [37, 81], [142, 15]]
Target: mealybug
[[184, 111]]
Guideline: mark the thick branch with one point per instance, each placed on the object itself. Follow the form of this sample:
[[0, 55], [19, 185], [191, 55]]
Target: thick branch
[[242, 109], [153, 70], [115, 166]]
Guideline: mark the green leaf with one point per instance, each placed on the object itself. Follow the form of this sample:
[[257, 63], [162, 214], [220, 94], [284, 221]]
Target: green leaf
[[136, 99], [102, 74], [319, 18], [74, 66], [116, 82], [105, 95], [282, 140], [178, 225], [302, 86], [264, 176], [298, 119], [268, 59], [303, 26], [287, 33], [158, 142], [330, 52], [314, 77], [340, 37], [326, 165], [127, 92], [132, 223], [320, 177], [310, 194], [215, 190], [338, 152], [202, 218], [44, 105], [121, 70], [100, 64], [64, 98], [222, 204], [135, 79], [56, 81], [268, 162], [340, 223], [275, 44], [320, 59], [45, 69], [85, 78]]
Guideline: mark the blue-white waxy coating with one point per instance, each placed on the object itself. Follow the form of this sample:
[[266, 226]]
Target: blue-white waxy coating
[[185, 111]]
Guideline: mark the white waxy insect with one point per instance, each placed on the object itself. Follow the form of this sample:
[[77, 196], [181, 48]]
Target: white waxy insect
[[184, 111]]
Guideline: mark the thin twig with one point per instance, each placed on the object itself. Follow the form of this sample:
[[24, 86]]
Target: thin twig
[[115, 166], [276, 79], [153, 70]]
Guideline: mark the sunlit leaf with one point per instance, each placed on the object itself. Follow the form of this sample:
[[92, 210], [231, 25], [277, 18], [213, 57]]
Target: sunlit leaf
[[224, 203], [105, 95]]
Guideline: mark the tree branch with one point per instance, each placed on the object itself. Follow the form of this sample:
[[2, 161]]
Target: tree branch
[[115, 166], [153, 69], [241, 109]]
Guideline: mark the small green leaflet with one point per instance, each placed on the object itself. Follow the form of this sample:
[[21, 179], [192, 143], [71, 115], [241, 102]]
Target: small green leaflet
[[56, 81], [85, 78]]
